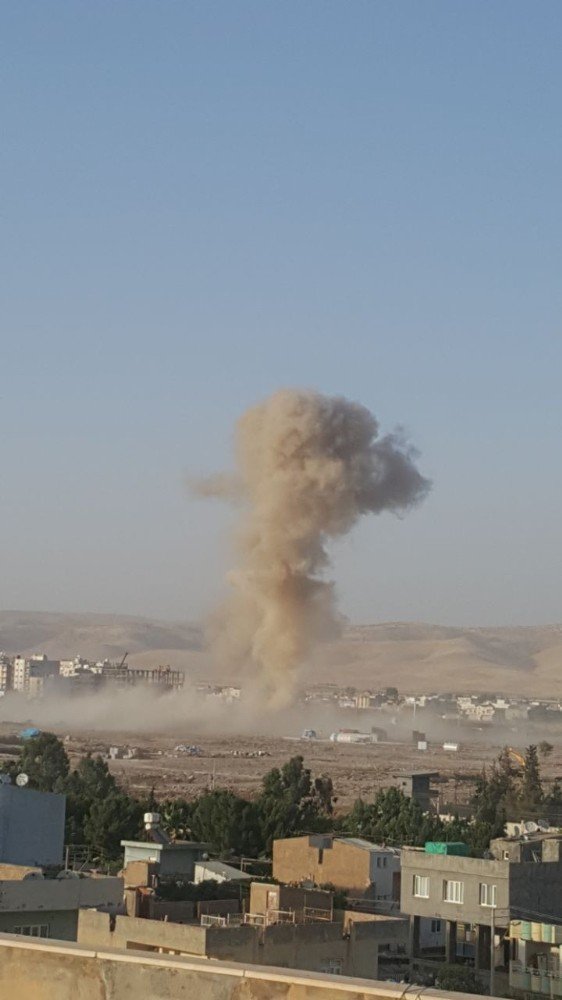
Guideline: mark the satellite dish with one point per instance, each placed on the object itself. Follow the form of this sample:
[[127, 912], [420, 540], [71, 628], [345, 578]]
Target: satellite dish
[[22, 779]]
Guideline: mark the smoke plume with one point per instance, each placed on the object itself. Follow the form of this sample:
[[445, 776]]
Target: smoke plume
[[307, 467]]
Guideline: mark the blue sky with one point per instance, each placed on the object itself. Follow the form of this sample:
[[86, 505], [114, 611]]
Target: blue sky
[[204, 201]]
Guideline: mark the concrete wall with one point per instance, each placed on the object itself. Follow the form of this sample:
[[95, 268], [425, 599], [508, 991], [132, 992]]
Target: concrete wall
[[137, 873], [536, 887], [55, 902], [172, 860], [99, 930], [345, 866], [179, 911], [540, 848], [180, 861], [60, 894], [311, 946], [384, 874], [12, 873], [31, 826], [62, 924], [217, 907], [37, 970], [140, 852], [266, 896]]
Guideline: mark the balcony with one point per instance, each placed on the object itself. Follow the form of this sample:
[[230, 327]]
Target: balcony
[[535, 980]]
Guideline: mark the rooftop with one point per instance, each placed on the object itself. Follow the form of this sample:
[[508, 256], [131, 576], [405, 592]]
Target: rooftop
[[175, 845], [366, 845], [227, 871]]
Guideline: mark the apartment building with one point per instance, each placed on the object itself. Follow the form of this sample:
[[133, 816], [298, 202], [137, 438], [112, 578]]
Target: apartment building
[[6, 672], [535, 967], [476, 898], [34, 669], [364, 870]]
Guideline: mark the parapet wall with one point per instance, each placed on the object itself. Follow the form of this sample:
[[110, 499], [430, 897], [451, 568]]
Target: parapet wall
[[55, 970]]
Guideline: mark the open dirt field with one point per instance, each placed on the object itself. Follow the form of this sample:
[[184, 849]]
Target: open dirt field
[[234, 763]]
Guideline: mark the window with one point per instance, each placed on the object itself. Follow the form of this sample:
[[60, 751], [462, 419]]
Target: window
[[453, 892], [421, 886], [332, 966], [435, 926], [33, 930], [487, 894]]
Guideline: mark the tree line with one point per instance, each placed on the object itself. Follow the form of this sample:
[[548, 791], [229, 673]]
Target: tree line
[[291, 801]]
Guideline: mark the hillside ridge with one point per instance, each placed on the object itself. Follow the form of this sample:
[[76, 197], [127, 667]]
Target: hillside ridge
[[417, 656]]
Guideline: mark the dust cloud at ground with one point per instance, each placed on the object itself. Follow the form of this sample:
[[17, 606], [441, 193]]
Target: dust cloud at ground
[[141, 710]]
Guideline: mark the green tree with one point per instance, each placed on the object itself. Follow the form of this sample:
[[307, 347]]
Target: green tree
[[89, 783], [553, 803], [292, 803], [496, 794], [531, 794], [45, 762], [230, 824], [111, 820], [92, 778], [393, 818]]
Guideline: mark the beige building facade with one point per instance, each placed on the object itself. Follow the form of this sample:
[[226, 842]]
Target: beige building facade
[[363, 869]]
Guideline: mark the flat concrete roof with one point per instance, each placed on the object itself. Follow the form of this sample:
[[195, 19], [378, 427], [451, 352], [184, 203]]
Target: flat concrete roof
[[176, 845]]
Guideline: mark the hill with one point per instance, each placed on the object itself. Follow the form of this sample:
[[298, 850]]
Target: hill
[[412, 656]]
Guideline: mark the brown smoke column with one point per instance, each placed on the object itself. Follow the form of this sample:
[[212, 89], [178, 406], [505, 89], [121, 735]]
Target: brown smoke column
[[308, 466]]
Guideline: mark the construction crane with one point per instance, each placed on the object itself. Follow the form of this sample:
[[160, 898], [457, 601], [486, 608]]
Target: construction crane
[[122, 664]]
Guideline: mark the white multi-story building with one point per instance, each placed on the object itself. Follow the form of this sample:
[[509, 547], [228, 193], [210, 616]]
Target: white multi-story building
[[37, 666], [67, 668], [5, 673], [21, 673]]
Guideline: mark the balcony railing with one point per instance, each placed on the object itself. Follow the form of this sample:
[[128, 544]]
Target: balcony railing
[[547, 983], [313, 913], [217, 920]]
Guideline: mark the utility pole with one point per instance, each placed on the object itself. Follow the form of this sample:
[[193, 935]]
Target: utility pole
[[492, 950]]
